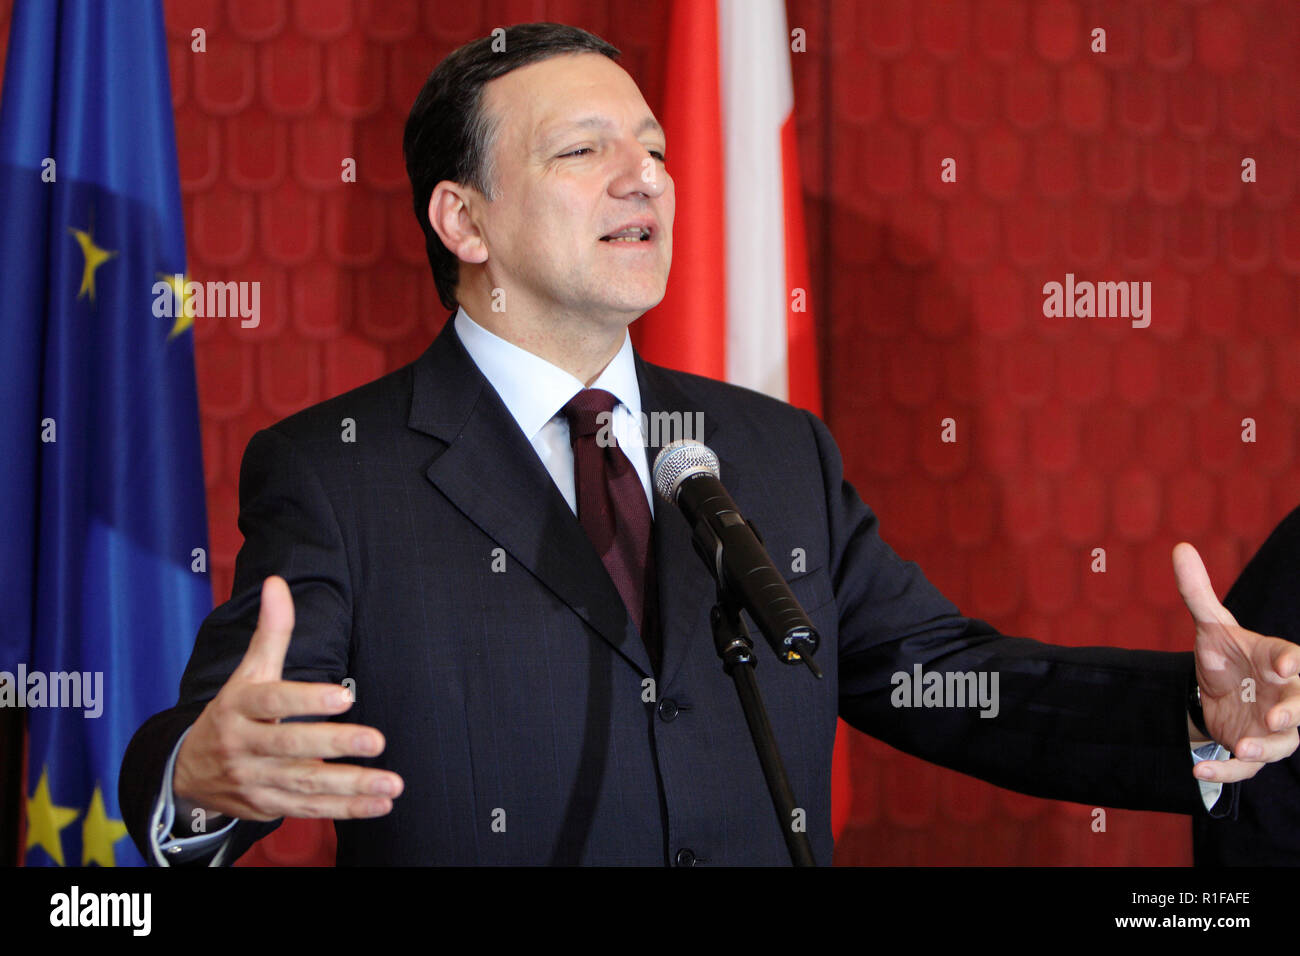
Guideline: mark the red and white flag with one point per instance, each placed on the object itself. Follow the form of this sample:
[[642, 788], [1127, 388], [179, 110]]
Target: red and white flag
[[737, 306]]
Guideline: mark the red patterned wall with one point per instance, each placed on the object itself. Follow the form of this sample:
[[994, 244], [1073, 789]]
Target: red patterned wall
[[1072, 433]]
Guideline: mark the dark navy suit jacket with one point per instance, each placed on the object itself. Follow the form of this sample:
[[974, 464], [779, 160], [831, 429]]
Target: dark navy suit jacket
[[514, 702]]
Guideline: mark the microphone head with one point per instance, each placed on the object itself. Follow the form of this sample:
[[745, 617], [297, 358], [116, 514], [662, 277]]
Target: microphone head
[[680, 460]]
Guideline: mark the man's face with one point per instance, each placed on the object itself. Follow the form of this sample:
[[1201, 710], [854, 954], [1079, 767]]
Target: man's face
[[578, 158]]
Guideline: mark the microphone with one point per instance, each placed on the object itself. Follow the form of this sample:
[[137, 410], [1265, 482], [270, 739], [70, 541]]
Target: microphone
[[686, 473]]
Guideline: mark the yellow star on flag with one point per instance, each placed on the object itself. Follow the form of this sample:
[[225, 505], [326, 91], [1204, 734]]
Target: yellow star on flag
[[179, 298], [45, 820], [95, 257], [99, 832]]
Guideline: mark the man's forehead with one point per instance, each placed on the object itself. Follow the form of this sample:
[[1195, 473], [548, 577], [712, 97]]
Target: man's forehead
[[574, 91]]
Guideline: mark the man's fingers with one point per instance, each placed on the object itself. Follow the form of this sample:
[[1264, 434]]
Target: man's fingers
[[317, 778], [1249, 755], [314, 740], [1285, 714], [276, 699], [1269, 748], [1194, 586], [1283, 657], [293, 781], [1227, 771], [279, 803]]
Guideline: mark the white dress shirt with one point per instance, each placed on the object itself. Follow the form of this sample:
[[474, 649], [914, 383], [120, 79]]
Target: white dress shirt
[[534, 391]]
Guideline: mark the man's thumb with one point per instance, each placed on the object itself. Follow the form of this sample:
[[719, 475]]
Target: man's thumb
[[264, 659], [1194, 585]]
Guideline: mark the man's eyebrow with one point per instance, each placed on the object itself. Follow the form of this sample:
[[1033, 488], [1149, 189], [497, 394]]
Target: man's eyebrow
[[647, 125]]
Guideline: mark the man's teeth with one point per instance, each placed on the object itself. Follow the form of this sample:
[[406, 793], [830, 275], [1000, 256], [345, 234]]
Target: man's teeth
[[627, 235]]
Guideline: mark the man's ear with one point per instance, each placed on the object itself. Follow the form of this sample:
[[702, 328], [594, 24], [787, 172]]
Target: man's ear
[[450, 216]]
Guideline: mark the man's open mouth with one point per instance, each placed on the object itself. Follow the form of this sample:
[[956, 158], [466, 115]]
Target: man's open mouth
[[631, 234]]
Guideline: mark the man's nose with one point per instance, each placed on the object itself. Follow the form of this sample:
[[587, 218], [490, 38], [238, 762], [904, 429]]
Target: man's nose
[[639, 172]]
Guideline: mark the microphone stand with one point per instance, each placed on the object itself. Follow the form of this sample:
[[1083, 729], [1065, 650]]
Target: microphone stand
[[731, 638]]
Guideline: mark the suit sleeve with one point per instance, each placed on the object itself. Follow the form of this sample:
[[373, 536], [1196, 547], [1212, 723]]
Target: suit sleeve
[[290, 529], [1098, 725]]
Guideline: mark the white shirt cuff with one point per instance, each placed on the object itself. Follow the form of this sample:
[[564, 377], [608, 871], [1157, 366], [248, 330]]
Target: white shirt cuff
[[168, 849]]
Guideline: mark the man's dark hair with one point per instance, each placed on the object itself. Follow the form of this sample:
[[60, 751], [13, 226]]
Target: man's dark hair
[[449, 135]]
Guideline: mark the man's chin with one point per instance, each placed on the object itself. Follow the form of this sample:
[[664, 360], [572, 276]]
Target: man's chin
[[616, 300], [645, 303], [624, 309], [637, 301]]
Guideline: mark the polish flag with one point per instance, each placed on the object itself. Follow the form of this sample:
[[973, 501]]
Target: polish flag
[[737, 306]]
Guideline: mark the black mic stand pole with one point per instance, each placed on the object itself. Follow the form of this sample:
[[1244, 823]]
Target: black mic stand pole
[[731, 638]]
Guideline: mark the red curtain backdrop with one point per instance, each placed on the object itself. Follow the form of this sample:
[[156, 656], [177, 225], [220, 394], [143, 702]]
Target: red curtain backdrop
[[1072, 434]]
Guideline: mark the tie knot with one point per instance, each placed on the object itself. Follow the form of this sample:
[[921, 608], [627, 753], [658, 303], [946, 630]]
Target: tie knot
[[584, 412]]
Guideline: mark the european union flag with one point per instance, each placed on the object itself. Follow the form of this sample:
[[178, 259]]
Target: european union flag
[[103, 575]]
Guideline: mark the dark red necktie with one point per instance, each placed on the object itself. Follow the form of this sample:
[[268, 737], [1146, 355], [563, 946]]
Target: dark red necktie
[[612, 508]]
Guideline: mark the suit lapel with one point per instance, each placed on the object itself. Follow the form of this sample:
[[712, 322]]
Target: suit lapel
[[686, 589], [491, 473]]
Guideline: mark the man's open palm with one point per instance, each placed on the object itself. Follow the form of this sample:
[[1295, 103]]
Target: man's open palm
[[1249, 689], [240, 760]]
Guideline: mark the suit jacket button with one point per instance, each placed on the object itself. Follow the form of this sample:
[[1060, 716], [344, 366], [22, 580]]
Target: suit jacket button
[[668, 709], [685, 857]]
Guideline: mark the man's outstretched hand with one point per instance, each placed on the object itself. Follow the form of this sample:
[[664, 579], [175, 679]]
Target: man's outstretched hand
[[239, 760], [1249, 689]]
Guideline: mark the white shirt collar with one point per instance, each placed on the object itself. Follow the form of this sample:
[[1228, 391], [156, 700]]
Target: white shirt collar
[[532, 388]]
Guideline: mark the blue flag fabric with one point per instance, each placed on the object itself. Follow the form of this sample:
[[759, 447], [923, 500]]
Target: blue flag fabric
[[103, 575]]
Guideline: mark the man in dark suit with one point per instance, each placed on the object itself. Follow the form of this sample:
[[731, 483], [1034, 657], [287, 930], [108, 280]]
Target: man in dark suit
[[533, 673]]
